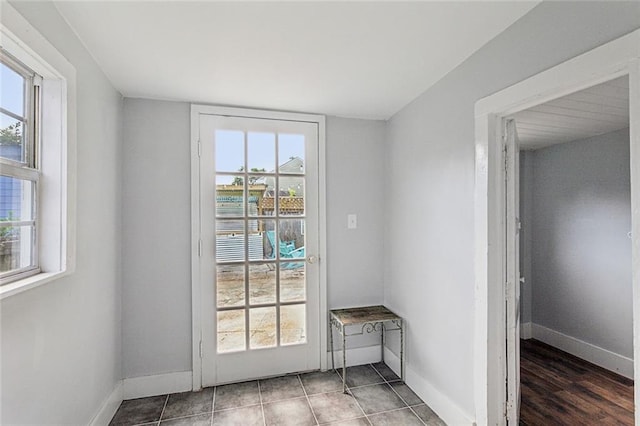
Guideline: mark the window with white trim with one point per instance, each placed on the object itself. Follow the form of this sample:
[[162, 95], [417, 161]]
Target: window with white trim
[[20, 175], [37, 158]]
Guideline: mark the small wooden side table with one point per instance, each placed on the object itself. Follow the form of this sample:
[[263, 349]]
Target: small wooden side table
[[371, 319]]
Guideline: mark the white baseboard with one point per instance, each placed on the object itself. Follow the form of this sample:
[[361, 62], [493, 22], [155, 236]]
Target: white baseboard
[[443, 406], [393, 361], [525, 331], [140, 387], [448, 411], [594, 354], [356, 356], [109, 407]]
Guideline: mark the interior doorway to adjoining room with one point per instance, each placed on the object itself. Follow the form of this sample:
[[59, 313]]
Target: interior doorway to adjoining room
[[494, 282], [573, 223]]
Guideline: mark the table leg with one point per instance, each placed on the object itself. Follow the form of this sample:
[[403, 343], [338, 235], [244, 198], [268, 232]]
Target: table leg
[[333, 362], [382, 343], [402, 349], [344, 361]]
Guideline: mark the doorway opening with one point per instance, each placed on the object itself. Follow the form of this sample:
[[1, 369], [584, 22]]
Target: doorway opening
[[573, 259], [495, 303]]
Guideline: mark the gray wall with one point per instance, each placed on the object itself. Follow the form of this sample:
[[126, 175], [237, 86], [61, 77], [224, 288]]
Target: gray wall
[[526, 203], [429, 275], [156, 238], [156, 229], [579, 218], [355, 184], [61, 342]]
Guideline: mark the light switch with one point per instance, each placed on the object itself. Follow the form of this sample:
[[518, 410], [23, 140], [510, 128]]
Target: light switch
[[352, 221]]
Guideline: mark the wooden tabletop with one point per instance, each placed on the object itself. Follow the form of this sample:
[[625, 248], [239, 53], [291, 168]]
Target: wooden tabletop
[[363, 315]]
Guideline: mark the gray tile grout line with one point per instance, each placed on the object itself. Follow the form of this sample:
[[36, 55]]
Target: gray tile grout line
[[399, 396], [361, 409], [264, 418], [242, 406], [376, 370], [384, 378], [188, 416], [363, 386], [358, 403], [366, 386], [308, 401], [337, 391], [213, 404], [396, 409], [416, 414], [407, 404], [384, 382]]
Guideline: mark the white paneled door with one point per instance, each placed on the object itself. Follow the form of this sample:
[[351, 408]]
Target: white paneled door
[[259, 246]]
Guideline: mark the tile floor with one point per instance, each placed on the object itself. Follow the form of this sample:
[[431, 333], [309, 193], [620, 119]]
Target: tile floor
[[379, 398]]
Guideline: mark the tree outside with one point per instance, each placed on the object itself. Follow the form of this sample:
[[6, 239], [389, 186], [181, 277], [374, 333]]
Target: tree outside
[[252, 179], [11, 135]]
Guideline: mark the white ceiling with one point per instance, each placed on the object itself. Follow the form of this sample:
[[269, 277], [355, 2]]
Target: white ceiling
[[355, 59], [591, 112]]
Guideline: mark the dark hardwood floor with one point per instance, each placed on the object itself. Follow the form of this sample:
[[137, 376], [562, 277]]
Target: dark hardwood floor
[[560, 389]]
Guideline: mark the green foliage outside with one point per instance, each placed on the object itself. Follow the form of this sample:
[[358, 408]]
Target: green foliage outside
[[12, 134], [7, 233], [252, 179]]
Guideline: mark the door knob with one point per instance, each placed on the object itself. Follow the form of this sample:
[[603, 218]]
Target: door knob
[[311, 259]]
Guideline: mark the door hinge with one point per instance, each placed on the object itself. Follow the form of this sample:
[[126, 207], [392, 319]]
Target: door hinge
[[200, 348], [199, 148], [199, 248]]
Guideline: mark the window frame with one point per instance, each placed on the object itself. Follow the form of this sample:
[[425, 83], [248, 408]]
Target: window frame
[[56, 212], [28, 169]]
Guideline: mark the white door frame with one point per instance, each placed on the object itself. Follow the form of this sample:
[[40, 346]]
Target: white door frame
[[614, 59], [196, 307]]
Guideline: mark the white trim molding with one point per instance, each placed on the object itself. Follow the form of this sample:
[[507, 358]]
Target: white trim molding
[[355, 356], [158, 384], [525, 331], [614, 59], [141, 387], [109, 407], [444, 407], [594, 354]]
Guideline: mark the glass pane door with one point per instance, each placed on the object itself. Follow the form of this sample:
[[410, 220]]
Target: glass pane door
[[262, 206]]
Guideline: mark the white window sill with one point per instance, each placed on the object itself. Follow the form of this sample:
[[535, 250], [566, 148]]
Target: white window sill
[[28, 283]]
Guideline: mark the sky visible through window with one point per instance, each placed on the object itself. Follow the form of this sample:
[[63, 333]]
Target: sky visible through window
[[261, 151], [11, 94]]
